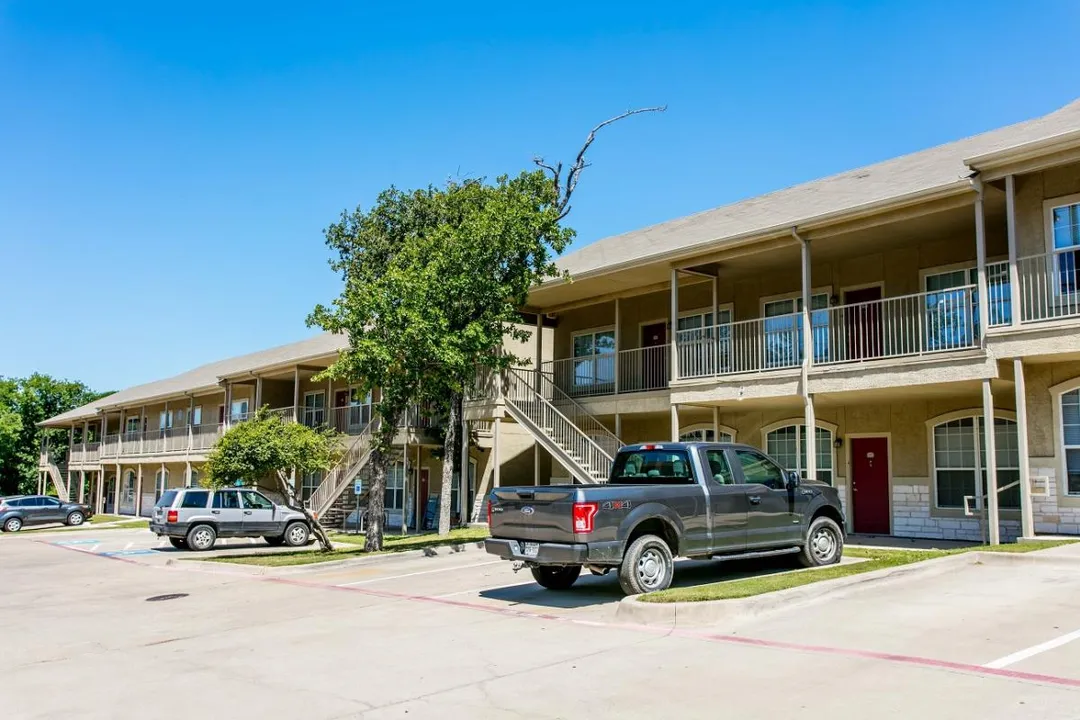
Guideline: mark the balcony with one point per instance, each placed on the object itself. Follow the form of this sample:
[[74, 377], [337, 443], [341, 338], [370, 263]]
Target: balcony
[[1048, 289], [613, 373]]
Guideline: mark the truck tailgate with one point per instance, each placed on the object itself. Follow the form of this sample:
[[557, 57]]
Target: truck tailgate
[[543, 514]]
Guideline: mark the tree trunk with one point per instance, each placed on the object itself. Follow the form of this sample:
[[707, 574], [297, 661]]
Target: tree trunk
[[382, 443], [316, 527], [449, 451]]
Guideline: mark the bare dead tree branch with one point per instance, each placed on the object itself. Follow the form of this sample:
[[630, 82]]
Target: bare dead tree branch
[[574, 174]]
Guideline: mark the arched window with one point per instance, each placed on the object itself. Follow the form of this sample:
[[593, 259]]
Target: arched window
[[127, 492], [959, 459], [193, 478], [161, 483], [705, 433], [788, 445], [1070, 439]]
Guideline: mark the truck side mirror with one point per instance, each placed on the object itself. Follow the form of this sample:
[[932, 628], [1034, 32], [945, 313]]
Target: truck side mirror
[[793, 479]]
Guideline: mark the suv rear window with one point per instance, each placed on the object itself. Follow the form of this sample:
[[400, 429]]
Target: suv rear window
[[651, 466], [166, 499], [195, 499]]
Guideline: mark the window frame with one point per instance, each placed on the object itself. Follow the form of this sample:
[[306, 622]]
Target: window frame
[[1057, 392], [799, 422], [1052, 253], [594, 357], [980, 480], [796, 297], [704, 427]]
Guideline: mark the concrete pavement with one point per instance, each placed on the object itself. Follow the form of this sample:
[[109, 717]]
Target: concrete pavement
[[462, 637]]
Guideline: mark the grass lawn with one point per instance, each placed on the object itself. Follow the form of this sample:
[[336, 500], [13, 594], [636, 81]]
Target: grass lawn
[[391, 544], [107, 519], [874, 559]]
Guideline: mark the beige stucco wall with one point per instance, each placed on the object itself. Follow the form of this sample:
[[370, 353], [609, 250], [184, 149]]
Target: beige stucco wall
[[1031, 191]]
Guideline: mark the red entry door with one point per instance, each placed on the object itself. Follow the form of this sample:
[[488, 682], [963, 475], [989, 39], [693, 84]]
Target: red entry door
[[862, 323], [870, 484]]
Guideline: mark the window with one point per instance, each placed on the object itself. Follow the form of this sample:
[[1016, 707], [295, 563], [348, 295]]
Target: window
[[704, 434], [166, 499], [394, 497], [700, 342], [594, 358], [759, 470], [719, 468], [255, 501], [50, 502], [227, 500], [131, 425], [127, 496], [455, 491], [196, 499], [165, 420], [784, 331], [359, 408], [193, 480], [1065, 241], [161, 481], [179, 419], [196, 415], [309, 484], [788, 446], [652, 465], [959, 460], [239, 410], [314, 409], [1070, 435]]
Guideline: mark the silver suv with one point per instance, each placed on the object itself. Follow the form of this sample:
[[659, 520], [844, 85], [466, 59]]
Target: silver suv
[[194, 518]]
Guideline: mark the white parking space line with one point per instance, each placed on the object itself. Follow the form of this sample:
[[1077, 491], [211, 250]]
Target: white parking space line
[[128, 546], [414, 574], [1033, 650]]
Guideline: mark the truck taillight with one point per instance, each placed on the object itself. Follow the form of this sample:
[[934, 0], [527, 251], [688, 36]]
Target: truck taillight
[[172, 516], [489, 512], [583, 517]]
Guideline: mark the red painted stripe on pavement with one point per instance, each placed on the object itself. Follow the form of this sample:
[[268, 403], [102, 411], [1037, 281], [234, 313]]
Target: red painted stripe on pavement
[[913, 660]]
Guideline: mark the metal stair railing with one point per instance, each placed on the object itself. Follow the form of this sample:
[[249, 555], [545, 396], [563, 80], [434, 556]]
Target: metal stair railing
[[593, 462], [335, 482], [57, 478]]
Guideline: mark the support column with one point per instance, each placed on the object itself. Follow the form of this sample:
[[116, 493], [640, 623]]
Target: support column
[[716, 423], [71, 444], [980, 256], [810, 419], [142, 427], [1014, 270], [100, 509], [618, 345], [674, 312], [116, 490], [296, 395], [1027, 512], [539, 361], [674, 423], [258, 392], [989, 451], [82, 487], [187, 474], [496, 475], [618, 426], [138, 491], [190, 424], [226, 418]]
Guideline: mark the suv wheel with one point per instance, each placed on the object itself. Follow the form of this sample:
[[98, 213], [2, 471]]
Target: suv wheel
[[75, 518], [201, 537], [13, 525], [296, 534], [178, 543], [556, 578], [647, 566], [824, 544]]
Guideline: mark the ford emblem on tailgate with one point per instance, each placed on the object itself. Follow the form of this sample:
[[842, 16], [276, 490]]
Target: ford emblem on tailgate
[[528, 510]]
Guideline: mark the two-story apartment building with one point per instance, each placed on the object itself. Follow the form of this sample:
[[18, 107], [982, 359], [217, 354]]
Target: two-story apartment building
[[126, 449], [921, 315]]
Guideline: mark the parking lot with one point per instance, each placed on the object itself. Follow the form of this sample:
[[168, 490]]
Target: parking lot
[[461, 635]]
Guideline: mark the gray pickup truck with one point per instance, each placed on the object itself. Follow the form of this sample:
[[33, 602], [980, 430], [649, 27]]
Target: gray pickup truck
[[697, 500]]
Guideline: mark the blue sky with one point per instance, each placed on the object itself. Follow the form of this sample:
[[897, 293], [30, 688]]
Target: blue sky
[[166, 169]]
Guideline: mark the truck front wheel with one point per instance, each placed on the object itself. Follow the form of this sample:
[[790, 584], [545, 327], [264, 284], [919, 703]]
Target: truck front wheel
[[824, 544], [556, 578], [647, 566]]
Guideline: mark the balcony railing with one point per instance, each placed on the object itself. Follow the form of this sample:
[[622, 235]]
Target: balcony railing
[[83, 453], [627, 371], [771, 343], [1049, 286]]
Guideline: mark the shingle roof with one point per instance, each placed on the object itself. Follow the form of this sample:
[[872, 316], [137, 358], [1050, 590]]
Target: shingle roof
[[207, 376], [893, 179]]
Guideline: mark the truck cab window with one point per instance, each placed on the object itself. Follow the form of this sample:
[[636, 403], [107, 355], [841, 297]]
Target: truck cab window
[[719, 468], [648, 466], [759, 470]]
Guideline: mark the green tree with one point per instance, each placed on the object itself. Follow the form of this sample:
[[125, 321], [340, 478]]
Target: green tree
[[32, 400], [267, 446]]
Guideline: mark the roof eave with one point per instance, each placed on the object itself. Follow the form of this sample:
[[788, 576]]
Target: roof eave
[[1024, 151]]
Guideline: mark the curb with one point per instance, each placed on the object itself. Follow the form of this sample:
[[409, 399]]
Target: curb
[[361, 560], [713, 612]]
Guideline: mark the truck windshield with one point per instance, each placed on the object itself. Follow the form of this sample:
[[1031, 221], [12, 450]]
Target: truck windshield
[[652, 466]]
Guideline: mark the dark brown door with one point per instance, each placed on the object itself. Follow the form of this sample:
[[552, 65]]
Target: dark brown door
[[870, 484], [652, 374], [339, 418], [862, 324]]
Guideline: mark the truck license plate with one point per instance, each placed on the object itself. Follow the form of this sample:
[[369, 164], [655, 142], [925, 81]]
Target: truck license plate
[[530, 549]]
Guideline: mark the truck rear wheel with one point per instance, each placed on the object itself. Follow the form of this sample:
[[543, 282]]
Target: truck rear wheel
[[647, 566], [824, 544], [556, 578]]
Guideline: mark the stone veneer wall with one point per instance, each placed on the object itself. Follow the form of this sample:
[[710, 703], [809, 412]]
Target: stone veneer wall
[[911, 517], [1050, 516]]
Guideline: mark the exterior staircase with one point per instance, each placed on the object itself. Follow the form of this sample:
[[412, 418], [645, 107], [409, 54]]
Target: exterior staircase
[[577, 440], [58, 476], [341, 476]]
